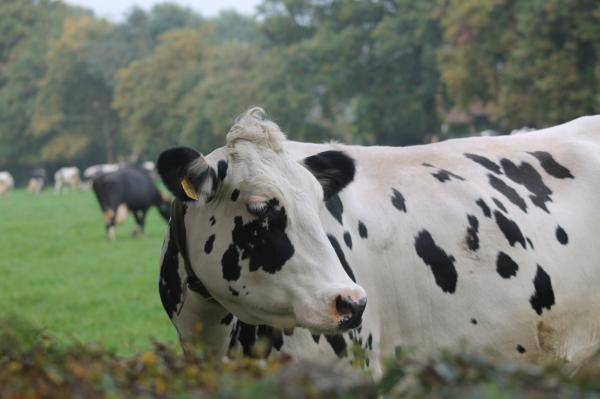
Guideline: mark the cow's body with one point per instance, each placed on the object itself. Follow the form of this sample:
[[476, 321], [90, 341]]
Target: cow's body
[[7, 183], [37, 181], [94, 171], [127, 189], [488, 242], [65, 177]]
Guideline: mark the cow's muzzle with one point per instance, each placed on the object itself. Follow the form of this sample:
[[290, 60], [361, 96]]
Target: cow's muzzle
[[350, 311]]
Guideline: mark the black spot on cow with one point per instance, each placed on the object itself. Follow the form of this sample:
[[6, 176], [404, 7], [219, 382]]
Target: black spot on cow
[[510, 230], [530, 243], [474, 321], [338, 344], [370, 342], [543, 295], [472, 233], [235, 194], [561, 235], [440, 263], [263, 241], [212, 220], [170, 286], [527, 176], [499, 205], [484, 208], [505, 266], [316, 338], [509, 192], [233, 291], [520, 349], [230, 263], [398, 200], [485, 162], [362, 230], [552, 167], [271, 336], [227, 319], [340, 254], [443, 175], [248, 335], [208, 245], [335, 207], [348, 239], [245, 334], [222, 169]]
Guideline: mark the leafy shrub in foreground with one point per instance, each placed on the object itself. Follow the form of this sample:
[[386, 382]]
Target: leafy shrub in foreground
[[32, 365]]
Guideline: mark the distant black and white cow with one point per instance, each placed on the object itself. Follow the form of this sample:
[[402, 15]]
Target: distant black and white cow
[[7, 182], [128, 189], [37, 181], [65, 177], [488, 241]]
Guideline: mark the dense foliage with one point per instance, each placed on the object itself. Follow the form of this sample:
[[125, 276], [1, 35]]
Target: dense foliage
[[78, 89], [33, 365]]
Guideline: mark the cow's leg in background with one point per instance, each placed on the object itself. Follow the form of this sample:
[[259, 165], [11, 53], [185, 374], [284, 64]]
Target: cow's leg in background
[[140, 218], [110, 218]]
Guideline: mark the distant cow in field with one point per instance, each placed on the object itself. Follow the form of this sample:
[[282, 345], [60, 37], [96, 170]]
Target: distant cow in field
[[94, 171], [128, 189], [7, 183], [37, 181], [66, 177]]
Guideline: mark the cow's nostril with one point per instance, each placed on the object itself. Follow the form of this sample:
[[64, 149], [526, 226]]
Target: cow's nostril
[[343, 307], [349, 311]]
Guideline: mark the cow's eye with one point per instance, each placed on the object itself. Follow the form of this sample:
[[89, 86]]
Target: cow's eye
[[258, 208]]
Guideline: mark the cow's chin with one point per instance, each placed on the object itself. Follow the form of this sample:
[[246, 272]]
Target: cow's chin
[[315, 323]]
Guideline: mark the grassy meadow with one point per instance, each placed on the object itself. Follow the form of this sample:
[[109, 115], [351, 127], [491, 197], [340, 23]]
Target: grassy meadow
[[59, 272]]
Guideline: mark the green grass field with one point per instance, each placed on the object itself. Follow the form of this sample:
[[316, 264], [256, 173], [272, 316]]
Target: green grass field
[[59, 271]]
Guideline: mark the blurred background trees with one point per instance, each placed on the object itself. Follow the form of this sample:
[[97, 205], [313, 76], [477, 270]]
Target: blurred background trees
[[76, 89]]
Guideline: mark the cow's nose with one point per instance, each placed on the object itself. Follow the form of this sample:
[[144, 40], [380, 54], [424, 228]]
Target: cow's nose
[[350, 310]]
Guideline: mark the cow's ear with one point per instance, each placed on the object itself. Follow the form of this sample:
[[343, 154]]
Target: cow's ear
[[186, 174], [333, 169]]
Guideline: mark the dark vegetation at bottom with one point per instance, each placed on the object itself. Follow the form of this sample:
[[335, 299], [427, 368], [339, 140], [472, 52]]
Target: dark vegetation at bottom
[[33, 365]]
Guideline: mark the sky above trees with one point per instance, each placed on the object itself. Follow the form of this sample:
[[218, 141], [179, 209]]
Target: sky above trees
[[116, 10]]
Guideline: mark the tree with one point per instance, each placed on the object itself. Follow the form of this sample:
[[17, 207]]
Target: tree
[[73, 108], [531, 63]]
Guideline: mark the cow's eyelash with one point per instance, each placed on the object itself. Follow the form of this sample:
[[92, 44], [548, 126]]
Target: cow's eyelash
[[258, 208]]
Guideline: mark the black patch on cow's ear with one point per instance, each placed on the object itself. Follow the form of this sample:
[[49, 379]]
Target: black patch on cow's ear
[[175, 164], [333, 169]]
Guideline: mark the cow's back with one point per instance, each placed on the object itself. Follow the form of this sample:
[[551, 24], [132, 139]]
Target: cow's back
[[486, 241], [130, 186]]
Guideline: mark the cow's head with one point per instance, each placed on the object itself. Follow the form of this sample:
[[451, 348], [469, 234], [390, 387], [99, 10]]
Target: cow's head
[[253, 229]]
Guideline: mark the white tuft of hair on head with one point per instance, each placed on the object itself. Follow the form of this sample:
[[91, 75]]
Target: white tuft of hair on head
[[253, 126]]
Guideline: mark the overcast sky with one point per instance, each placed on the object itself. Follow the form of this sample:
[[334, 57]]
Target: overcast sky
[[115, 9]]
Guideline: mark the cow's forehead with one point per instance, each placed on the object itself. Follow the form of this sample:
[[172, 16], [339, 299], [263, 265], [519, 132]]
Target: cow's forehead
[[255, 170]]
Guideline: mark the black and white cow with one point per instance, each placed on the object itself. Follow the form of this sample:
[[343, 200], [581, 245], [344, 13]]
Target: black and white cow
[[128, 189], [487, 241]]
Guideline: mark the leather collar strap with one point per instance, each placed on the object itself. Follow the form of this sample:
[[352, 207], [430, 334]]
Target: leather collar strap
[[177, 227]]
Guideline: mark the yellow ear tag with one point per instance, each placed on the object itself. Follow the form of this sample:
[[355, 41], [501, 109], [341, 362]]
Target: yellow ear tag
[[189, 190]]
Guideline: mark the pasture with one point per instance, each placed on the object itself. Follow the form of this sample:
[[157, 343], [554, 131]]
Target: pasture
[[60, 272]]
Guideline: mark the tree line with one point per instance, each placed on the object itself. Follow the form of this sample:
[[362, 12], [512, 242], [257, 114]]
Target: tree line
[[78, 89]]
